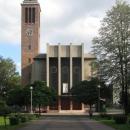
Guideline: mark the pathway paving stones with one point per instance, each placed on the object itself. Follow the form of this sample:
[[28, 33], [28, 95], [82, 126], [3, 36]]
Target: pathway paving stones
[[65, 123]]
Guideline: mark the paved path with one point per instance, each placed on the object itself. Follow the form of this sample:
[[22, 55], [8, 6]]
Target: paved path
[[65, 123]]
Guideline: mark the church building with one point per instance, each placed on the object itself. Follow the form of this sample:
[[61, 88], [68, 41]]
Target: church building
[[62, 66]]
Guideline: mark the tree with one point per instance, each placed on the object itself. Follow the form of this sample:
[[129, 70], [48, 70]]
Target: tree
[[16, 97], [112, 48], [8, 75], [42, 94], [4, 110], [106, 92], [86, 92]]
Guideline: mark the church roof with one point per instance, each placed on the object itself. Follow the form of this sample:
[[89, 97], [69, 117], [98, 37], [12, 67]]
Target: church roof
[[40, 56], [89, 56], [43, 56], [30, 1]]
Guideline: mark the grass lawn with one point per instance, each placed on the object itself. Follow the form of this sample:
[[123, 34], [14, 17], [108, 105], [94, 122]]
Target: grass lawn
[[2, 121], [11, 127], [2, 127], [116, 126], [113, 124]]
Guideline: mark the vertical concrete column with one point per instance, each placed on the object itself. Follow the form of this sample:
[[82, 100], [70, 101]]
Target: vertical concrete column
[[59, 70], [71, 105], [59, 104], [71, 78], [47, 65], [83, 107], [82, 68], [47, 70], [82, 61], [59, 77]]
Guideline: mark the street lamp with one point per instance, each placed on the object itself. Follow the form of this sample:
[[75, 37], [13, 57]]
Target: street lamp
[[99, 97], [31, 88]]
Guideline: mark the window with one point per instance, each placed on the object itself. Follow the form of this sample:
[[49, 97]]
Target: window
[[53, 69], [29, 15], [29, 60], [76, 69], [29, 47], [65, 88], [33, 15], [65, 69], [26, 15]]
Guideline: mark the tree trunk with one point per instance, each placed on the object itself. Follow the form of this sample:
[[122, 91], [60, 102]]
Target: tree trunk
[[39, 109], [126, 89], [90, 111]]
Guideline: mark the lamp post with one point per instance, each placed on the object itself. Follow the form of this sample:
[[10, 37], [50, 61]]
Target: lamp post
[[31, 88], [99, 98], [4, 94]]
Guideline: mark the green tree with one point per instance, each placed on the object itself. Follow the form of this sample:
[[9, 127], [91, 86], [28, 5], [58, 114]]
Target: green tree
[[106, 92], [42, 94], [8, 75], [86, 92], [16, 97], [112, 48]]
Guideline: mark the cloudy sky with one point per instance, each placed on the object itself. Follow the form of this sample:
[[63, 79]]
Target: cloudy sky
[[62, 21]]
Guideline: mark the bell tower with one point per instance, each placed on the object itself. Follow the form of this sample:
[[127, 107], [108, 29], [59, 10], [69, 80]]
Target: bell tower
[[30, 37]]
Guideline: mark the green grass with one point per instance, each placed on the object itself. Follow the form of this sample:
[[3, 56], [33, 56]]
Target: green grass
[[2, 121], [8, 127], [116, 126], [111, 123], [12, 127]]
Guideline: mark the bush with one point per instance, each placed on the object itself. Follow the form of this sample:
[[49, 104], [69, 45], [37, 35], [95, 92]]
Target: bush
[[106, 116], [23, 119], [30, 116], [120, 119], [37, 115], [14, 120]]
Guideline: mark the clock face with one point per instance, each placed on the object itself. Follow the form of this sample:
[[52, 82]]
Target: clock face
[[29, 32]]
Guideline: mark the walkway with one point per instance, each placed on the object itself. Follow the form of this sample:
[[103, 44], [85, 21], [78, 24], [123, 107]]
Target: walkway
[[65, 123]]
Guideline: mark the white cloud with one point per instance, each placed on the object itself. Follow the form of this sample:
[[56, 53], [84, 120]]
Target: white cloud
[[62, 21], [10, 21]]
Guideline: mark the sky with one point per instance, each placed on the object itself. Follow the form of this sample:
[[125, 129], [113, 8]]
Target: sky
[[62, 21]]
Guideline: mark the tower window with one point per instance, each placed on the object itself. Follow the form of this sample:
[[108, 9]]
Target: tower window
[[33, 15], [29, 60], [26, 15], [30, 12], [29, 47], [30, 15]]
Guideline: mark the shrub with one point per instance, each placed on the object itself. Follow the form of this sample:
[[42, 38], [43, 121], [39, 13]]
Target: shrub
[[106, 116], [37, 115], [30, 116], [120, 119], [129, 121], [23, 119], [14, 120]]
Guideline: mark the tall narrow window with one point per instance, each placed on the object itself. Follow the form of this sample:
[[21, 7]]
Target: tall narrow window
[[29, 15], [33, 15], [26, 15], [29, 47], [29, 60]]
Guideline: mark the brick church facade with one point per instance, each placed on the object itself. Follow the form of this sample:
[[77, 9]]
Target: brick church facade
[[61, 67]]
